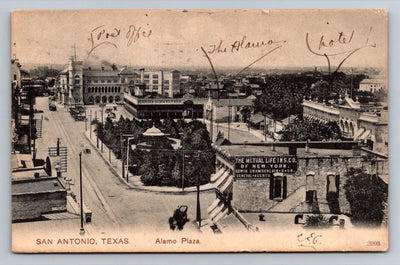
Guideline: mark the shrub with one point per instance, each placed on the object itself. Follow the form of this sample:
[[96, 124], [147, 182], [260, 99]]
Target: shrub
[[317, 221], [366, 194]]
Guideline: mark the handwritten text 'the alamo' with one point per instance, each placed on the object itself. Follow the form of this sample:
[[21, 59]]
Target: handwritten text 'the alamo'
[[242, 44], [104, 36]]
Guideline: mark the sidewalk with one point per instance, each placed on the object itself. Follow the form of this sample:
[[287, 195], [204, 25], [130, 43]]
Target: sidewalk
[[134, 182]]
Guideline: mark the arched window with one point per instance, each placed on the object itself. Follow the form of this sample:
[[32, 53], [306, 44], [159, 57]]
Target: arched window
[[77, 80], [117, 99], [110, 99], [351, 129]]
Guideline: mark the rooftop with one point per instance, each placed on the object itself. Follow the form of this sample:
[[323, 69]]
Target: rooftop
[[28, 173], [268, 150], [153, 132], [373, 81], [36, 186], [101, 73]]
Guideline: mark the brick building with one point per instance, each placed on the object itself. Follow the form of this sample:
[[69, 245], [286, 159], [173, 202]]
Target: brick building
[[287, 177], [36, 196]]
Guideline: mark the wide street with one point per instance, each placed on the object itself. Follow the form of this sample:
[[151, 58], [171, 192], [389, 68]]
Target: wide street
[[113, 204]]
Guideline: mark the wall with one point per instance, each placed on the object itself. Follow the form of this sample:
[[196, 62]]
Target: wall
[[32, 205], [253, 194]]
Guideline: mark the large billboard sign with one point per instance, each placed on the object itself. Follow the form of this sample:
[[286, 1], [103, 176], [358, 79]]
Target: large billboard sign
[[264, 166]]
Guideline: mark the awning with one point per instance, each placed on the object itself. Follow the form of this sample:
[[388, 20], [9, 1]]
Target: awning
[[222, 179], [227, 185], [216, 210], [256, 118], [359, 132], [221, 215], [213, 205], [365, 135], [217, 175]]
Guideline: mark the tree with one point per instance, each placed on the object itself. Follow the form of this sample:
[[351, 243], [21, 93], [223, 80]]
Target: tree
[[246, 112], [303, 130], [366, 194]]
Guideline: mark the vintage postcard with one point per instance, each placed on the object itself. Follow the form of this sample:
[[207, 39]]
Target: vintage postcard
[[199, 130]]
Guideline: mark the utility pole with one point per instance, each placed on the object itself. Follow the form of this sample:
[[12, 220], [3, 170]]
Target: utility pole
[[90, 124], [97, 132], [58, 146], [82, 230], [351, 86], [122, 157], [229, 118], [183, 170], [198, 213], [102, 129], [212, 124], [265, 127], [30, 97]]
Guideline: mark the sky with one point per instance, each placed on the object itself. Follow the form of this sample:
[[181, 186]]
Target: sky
[[167, 39]]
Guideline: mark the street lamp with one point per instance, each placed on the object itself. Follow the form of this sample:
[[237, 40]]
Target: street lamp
[[82, 230], [127, 157], [198, 213], [122, 153]]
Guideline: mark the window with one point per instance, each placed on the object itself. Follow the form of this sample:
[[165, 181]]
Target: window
[[15, 77], [95, 81], [310, 184], [278, 187], [146, 76], [311, 193], [332, 183], [155, 81], [155, 76], [108, 81], [102, 81]]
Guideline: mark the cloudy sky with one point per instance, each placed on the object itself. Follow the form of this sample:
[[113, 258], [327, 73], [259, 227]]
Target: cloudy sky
[[175, 38]]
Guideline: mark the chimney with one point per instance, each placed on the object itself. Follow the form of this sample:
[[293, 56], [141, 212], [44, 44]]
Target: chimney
[[142, 75], [308, 146], [292, 150]]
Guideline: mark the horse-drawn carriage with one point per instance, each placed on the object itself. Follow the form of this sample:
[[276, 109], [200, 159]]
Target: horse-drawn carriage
[[179, 218]]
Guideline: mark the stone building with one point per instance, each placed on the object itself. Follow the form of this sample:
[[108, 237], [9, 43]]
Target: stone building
[[372, 85], [356, 122], [165, 83], [286, 177], [79, 84]]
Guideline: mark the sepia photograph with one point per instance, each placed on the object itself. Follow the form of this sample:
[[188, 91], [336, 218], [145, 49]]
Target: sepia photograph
[[228, 130]]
